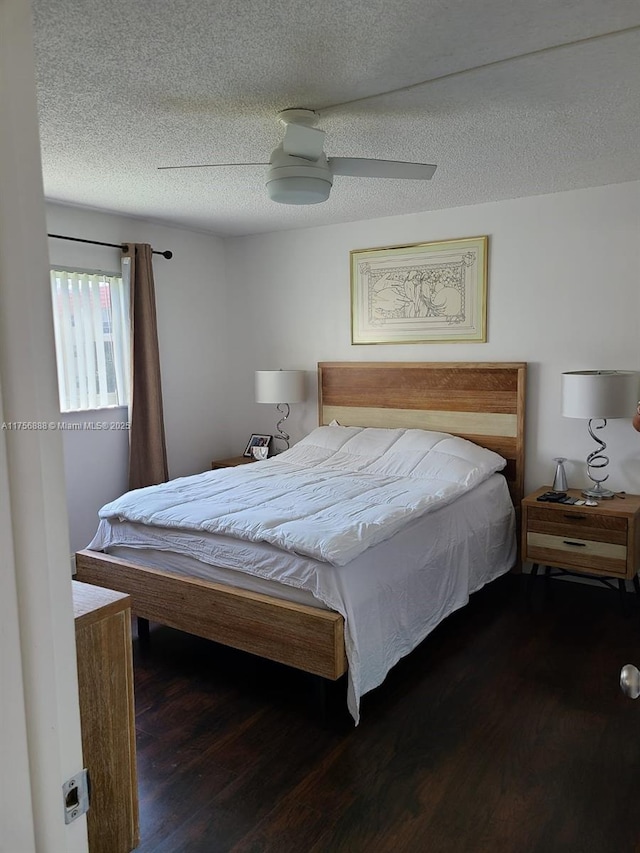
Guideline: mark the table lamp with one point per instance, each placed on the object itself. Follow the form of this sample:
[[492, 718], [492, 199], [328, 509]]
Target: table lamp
[[599, 395], [280, 387]]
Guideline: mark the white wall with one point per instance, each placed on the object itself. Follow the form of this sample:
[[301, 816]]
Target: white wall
[[563, 295], [193, 338]]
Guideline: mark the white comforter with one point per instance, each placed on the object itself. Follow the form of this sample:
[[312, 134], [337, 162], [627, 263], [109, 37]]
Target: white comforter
[[333, 495]]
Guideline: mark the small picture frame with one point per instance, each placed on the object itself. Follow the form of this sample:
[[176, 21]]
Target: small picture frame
[[257, 440]]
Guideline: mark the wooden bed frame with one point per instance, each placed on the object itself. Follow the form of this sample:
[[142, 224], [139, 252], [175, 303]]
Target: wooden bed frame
[[483, 402]]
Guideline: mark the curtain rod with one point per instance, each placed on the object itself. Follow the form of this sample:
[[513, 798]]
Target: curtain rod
[[123, 246]]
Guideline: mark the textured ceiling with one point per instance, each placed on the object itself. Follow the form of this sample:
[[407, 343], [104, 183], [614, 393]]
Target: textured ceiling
[[509, 97]]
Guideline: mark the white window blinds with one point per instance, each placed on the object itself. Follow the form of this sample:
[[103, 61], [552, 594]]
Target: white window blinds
[[91, 324]]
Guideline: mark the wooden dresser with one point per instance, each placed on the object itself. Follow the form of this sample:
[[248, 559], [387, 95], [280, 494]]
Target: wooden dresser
[[105, 680]]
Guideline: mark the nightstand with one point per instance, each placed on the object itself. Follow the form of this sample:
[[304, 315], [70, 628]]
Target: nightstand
[[231, 462], [601, 541]]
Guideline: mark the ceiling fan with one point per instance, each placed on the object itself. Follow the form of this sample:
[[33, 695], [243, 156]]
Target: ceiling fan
[[301, 173]]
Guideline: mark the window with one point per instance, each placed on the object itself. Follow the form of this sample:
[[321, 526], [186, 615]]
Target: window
[[91, 325]]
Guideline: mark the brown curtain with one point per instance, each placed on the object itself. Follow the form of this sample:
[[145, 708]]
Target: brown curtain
[[147, 448]]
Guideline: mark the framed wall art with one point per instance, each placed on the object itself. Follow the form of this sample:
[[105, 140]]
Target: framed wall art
[[423, 293]]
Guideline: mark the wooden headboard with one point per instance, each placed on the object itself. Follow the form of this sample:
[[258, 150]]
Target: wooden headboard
[[481, 401]]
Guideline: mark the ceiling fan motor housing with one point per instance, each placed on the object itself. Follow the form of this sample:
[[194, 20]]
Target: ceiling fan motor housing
[[294, 180]]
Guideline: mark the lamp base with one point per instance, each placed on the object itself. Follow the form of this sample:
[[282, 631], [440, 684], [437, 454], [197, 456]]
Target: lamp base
[[282, 435], [598, 493]]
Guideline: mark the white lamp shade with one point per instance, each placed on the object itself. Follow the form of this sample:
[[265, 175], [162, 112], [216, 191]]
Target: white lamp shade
[[603, 394], [279, 386]]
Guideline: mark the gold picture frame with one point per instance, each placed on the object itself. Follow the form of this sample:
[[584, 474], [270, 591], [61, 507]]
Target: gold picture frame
[[420, 293]]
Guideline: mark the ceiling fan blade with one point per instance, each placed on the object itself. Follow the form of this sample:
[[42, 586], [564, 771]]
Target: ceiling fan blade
[[300, 140], [359, 167], [209, 165]]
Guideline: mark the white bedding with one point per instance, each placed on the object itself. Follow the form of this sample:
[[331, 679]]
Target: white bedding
[[333, 495], [391, 596]]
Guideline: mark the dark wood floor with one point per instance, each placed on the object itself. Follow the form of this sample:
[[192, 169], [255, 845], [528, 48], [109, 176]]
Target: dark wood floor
[[504, 731]]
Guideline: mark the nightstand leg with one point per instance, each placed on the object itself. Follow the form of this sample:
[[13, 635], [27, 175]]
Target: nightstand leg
[[143, 630], [622, 589], [532, 580], [547, 583]]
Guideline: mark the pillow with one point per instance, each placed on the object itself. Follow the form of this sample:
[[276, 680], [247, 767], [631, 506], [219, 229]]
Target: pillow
[[328, 436], [438, 456], [417, 453]]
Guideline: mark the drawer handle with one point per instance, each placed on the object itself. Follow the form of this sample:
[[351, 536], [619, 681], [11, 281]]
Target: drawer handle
[[572, 517], [576, 544]]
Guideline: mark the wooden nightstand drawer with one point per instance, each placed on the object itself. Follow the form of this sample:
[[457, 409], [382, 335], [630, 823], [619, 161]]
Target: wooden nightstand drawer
[[570, 523], [587, 555]]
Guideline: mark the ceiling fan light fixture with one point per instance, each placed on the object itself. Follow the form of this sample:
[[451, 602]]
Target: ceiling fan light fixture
[[300, 173], [295, 180], [298, 190]]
